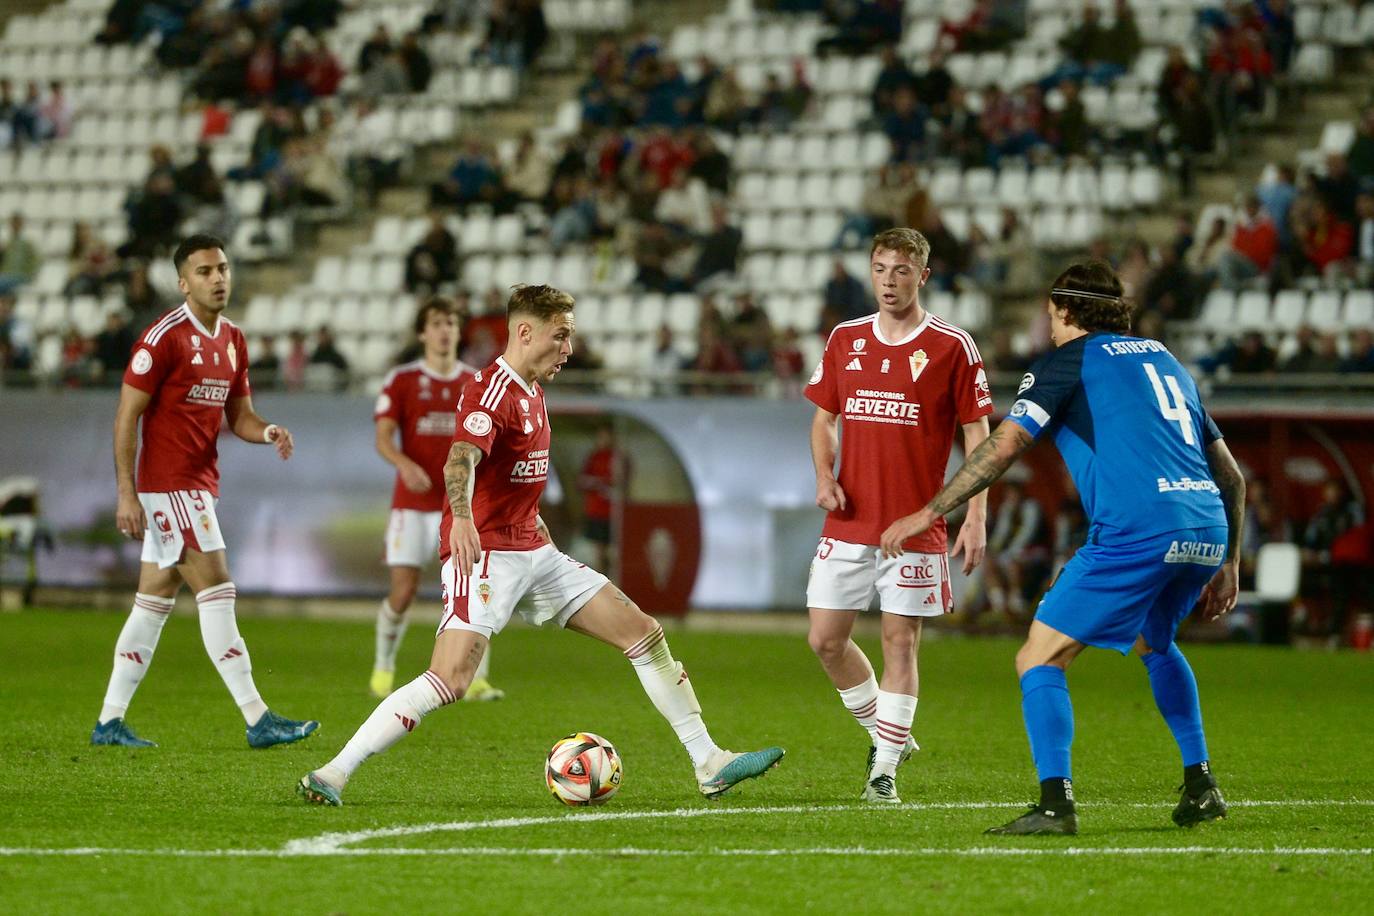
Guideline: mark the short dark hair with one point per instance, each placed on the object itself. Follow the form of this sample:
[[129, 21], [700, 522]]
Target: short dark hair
[[542, 302], [201, 241], [441, 304], [1102, 305]]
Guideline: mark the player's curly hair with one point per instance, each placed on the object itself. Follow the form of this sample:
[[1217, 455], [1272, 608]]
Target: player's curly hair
[[442, 304], [542, 302], [1092, 295], [904, 241]]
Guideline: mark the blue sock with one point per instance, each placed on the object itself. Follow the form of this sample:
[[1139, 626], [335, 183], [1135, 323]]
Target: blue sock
[[1175, 691], [1048, 711]]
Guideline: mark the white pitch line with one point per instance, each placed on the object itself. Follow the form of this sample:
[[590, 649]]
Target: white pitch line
[[333, 844], [545, 852]]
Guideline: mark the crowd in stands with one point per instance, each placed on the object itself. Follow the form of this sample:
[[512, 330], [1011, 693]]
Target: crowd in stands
[[34, 119]]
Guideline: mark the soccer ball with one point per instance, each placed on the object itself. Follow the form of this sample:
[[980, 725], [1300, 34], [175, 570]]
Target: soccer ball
[[583, 769]]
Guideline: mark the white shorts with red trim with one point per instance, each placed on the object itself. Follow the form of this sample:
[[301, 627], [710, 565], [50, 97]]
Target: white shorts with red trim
[[557, 587], [412, 537], [845, 577], [177, 520]]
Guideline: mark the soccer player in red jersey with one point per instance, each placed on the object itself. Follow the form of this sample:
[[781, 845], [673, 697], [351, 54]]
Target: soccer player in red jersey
[[604, 475], [188, 372], [497, 550], [900, 381], [416, 406]]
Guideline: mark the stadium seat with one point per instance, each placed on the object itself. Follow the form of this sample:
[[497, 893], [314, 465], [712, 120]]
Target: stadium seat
[[1359, 309], [1218, 311], [1324, 310], [1252, 311], [1289, 310]]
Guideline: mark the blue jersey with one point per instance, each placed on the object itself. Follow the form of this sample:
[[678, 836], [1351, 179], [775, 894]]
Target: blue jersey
[[1127, 418]]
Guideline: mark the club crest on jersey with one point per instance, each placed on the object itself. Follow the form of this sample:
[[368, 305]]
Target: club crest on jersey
[[205, 523], [160, 519], [918, 361], [233, 357], [484, 592]]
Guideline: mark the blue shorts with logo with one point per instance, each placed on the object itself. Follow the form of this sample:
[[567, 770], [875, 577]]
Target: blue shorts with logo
[[1109, 594]]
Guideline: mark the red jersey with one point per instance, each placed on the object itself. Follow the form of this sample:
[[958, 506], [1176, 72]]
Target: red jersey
[[597, 479], [506, 419], [899, 405], [191, 374], [422, 403]]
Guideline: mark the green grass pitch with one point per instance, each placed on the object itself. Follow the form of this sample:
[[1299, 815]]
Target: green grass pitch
[[204, 824]]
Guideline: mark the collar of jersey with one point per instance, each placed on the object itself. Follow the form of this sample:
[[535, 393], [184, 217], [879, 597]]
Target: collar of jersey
[[458, 367], [501, 361], [219, 322], [925, 322]]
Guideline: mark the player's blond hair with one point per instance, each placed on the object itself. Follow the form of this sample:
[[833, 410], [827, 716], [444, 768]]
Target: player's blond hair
[[903, 241], [542, 302]]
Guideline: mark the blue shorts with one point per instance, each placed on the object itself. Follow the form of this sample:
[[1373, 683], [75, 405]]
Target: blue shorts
[[1109, 594]]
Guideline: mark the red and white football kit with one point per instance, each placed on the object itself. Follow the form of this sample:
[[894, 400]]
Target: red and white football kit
[[191, 374], [899, 403], [506, 418], [422, 404]]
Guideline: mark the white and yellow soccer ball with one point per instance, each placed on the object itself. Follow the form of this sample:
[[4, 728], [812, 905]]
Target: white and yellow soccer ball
[[583, 769]]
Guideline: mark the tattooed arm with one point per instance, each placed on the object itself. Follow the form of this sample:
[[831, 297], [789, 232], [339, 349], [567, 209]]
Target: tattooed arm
[[459, 473], [988, 462], [1220, 594]]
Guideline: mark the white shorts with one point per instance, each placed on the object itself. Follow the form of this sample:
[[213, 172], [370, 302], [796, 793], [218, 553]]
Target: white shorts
[[557, 585], [845, 576], [412, 537], [177, 520]]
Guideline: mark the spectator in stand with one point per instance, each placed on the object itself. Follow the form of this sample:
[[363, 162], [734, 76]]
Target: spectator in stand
[[727, 104], [1280, 32], [709, 162], [1254, 247], [685, 206], [91, 262], [1361, 358], [387, 77], [862, 26], [1011, 254], [1071, 129], [112, 346], [433, 262], [1277, 198], [74, 358], [1251, 355], [788, 361], [1314, 353], [1364, 240], [1017, 548], [20, 260], [956, 130], [894, 75], [323, 72], [905, 126], [8, 110], [419, 69], [266, 366], [843, 299], [1171, 290], [719, 250], [603, 481], [56, 112], [528, 170], [654, 254], [751, 334], [573, 211], [1326, 241], [1338, 515], [260, 78], [297, 361], [992, 25], [377, 46], [714, 355], [472, 179], [1338, 187], [1360, 156], [141, 299], [1194, 129], [16, 338], [373, 154], [327, 353], [1095, 52], [1205, 256]]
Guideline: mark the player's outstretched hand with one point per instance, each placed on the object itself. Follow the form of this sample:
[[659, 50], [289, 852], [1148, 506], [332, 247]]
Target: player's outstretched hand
[[830, 496], [464, 544], [973, 541], [1219, 595], [415, 478], [130, 518], [285, 445], [904, 528]]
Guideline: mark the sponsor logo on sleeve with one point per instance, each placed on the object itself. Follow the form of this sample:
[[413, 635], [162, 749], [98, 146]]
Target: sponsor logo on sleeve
[[383, 403], [477, 423], [818, 374], [1018, 409], [142, 362], [981, 390], [1027, 381]]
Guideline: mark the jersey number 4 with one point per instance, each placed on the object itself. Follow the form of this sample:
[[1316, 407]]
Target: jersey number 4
[[1172, 404]]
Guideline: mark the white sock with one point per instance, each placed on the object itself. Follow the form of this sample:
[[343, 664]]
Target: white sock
[[391, 628], [667, 684], [134, 652], [220, 633], [895, 712], [484, 666], [393, 719], [862, 702]]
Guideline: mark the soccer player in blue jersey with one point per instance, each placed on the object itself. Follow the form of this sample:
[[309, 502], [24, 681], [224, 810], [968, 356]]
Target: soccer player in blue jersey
[[1164, 498]]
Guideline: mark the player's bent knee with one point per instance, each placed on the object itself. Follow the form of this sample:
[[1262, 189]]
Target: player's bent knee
[[827, 645]]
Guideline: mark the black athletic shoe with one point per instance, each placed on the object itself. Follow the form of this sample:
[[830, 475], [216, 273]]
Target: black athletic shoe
[[1039, 821], [1191, 811]]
